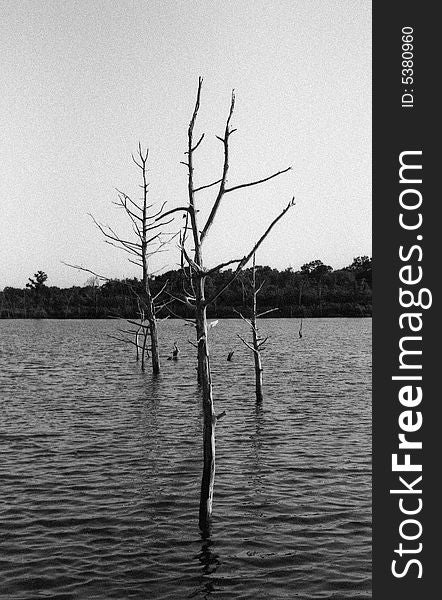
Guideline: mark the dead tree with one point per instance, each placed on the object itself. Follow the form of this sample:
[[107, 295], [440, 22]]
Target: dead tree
[[195, 297], [150, 239], [138, 336], [258, 342]]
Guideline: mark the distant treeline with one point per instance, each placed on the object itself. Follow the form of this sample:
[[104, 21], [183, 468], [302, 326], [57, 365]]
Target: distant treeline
[[314, 291]]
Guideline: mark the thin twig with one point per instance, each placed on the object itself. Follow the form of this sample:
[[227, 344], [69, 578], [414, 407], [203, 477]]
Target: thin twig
[[257, 182]]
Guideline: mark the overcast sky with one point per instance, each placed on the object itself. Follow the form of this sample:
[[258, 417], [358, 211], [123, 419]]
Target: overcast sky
[[83, 80]]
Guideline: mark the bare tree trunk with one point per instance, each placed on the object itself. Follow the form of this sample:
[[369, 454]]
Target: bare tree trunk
[[143, 349], [256, 340], [153, 331], [258, 343], [209, 418], [154, 346], [137, 344], [200, 368], [258, 368]]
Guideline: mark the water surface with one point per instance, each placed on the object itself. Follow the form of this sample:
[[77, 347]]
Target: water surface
[[100, 465]]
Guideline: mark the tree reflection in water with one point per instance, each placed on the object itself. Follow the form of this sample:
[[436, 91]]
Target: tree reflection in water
[[256, 474], [210, 562]]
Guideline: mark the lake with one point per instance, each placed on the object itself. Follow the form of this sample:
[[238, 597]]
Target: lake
[[101, 464]]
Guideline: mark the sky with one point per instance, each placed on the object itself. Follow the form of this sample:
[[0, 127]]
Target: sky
[[84, 80]]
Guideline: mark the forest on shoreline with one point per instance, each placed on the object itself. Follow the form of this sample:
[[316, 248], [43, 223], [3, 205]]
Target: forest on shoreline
[[316, 290]]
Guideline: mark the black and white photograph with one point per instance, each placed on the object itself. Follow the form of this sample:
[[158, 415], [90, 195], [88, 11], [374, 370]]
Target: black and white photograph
[[186, 299]]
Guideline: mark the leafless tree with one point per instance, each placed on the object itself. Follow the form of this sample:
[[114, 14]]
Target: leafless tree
[[195, 296], [147, 225], [258, 343]]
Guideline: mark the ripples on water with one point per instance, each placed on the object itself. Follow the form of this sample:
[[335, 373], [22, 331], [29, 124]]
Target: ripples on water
[[100, 465]]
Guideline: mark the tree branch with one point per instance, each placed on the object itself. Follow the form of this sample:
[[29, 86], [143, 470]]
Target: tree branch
[[123, 204], [204, 187], [222, 265], [258, 181], [246, 343], [169, 212], [246, 258], [249, 323], [159, 307], [135, 262], [266, 312], [80, 268], [262, 342], [182, 300], [113, 236], [161, 291], [190, 185], [129, 198], [197, 144], [181, 318], [191, 262], [122, 247], [159, 212], [150, 227], [223, 180]]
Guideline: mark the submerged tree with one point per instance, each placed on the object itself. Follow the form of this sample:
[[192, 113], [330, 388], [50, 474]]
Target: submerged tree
[[147, 223], [258, 342], [197, 274], [138, 336]]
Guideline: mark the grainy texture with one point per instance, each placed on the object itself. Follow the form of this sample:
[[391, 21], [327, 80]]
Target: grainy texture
[[101, 465]]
